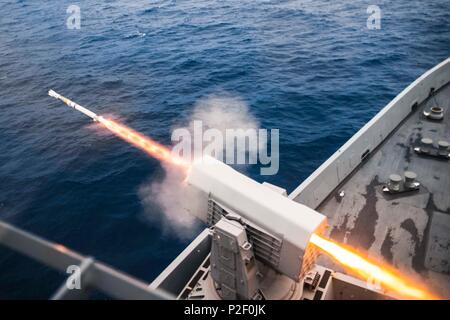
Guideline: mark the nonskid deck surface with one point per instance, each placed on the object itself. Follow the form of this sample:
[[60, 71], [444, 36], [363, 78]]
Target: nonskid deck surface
[[411, 230]]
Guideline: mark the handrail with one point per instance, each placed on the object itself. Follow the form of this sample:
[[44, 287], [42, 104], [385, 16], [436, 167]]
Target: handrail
[[93, 274]]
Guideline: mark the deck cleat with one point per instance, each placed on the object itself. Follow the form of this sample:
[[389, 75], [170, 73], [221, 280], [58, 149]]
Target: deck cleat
[[427, 145], [394, 183], [428, 149], [410, 181], [397, 185], [443, 148]]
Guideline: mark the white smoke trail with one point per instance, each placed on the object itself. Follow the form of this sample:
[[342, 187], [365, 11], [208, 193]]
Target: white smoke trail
[[169, 194]]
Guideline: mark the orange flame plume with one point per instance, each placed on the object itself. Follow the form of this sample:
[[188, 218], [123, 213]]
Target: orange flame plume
[[142, 142], [387, 277]]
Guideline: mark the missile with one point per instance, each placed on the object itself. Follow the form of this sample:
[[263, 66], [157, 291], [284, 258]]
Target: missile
[[74, 105]]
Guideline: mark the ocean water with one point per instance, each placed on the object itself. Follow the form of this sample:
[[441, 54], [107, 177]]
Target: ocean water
[[310, 68]]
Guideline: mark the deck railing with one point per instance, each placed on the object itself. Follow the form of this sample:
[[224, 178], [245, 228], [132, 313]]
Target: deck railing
[[93, 274]]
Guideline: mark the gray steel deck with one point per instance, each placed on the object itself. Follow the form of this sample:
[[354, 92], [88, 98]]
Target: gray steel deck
[[410, 231]]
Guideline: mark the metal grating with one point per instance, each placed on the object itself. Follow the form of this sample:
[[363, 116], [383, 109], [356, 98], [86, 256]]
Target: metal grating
[[266, 247]]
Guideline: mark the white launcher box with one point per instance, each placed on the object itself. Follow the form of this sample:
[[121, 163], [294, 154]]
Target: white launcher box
[[291, 222]]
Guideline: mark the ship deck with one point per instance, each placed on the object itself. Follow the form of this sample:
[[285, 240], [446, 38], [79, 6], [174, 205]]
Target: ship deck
[[410, 230]]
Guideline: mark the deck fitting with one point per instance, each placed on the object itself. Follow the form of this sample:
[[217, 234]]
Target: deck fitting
[[443, 147], [394, 183], [427, 148], [410, 180], [397, 185], [435, 113], [427, 145]]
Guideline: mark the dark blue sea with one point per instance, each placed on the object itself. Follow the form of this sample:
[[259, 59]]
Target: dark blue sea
[[310, 68]]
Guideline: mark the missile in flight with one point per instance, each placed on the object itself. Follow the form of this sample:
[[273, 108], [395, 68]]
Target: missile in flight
[[74, 105]]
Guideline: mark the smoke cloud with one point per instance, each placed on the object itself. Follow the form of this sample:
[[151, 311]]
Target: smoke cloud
[[223, 112], [169, 193]]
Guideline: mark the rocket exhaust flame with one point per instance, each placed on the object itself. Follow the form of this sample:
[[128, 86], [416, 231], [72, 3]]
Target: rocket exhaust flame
[[138, 140], [388, 278], [142, 142]]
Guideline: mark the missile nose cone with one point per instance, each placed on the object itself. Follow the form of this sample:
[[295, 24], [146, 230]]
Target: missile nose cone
[[52, 93]]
